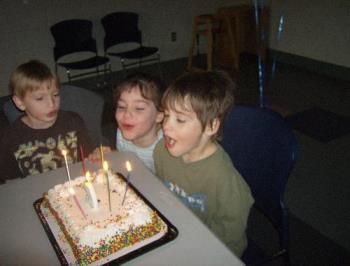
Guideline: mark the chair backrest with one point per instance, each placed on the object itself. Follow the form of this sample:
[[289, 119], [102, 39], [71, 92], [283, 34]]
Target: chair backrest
[[87, 104], [73, 36], [121, 27], [263, 149]]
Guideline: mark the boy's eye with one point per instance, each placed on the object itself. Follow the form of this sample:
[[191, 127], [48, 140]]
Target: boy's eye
[[120, 107], [179, 120], [140, 108], [56, 95], [39, 98]]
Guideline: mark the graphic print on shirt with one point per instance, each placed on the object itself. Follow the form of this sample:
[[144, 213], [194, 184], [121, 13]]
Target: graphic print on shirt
[[36, 157], [196, 201]]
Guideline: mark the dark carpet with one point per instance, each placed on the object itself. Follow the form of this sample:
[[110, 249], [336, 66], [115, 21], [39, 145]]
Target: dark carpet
[[307, 245], [320, 124]]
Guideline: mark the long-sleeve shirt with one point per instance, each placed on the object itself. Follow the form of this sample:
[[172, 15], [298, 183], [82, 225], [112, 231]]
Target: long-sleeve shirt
[[213, 189]]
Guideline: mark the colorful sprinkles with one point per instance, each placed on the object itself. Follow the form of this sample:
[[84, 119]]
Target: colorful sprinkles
[[86, 254], [89, 255]]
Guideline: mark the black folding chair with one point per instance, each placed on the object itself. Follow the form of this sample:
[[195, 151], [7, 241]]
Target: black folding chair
[[73, 39], [123, 39], [264, 150]]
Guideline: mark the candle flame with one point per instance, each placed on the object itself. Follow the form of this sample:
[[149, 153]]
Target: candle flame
[[64, 152], [105, 165], [88, 176], [71, 191], [128, 166], [101, 153]]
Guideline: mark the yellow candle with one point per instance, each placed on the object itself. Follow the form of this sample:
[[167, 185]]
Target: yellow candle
[[105, 168], [101, 155], [128, 166]]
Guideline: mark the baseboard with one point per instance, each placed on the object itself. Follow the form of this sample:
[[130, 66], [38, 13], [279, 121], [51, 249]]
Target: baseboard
[[316, 66]]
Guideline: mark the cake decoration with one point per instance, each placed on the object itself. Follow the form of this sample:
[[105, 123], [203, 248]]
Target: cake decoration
[[109, 227]]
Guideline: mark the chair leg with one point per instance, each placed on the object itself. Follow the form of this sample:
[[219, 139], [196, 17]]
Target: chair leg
[[97, 77], [111, 80], [107, 70], [122, 61], [210, 46], [286, 259], [194, 45], [68, 75]]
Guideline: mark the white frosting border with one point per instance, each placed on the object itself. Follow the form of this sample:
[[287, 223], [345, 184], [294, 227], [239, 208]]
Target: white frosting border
[[67, 250]]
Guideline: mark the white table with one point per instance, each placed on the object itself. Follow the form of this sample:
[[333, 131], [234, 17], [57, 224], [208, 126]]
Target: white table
[[23, 240]]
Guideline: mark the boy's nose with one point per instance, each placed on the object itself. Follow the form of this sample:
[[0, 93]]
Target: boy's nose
[[128, 113], [52, 101], [166, 125]]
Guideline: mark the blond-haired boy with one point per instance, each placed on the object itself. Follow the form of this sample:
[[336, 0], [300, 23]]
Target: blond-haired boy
[[34, 142]]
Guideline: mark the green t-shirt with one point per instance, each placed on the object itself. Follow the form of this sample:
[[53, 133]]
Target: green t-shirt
[[213, 189]]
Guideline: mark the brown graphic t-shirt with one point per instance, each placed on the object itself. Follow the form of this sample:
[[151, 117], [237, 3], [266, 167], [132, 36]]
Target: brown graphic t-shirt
[[27, 151]]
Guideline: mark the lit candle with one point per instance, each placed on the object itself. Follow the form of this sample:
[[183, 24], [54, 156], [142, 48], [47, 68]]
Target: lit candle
[[128, 168], [72, 192], [64, 153], [91, 191], [102, 157], [105, 168]]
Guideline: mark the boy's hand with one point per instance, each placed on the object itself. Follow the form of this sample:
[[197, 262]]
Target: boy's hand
[[95, 156]]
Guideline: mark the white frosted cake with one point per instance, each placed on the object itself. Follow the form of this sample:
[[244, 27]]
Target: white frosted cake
[[96, 227]]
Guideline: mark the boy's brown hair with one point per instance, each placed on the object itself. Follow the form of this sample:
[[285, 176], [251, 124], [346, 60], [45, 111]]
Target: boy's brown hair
[[151, 88], [29, 77], [210, 94]]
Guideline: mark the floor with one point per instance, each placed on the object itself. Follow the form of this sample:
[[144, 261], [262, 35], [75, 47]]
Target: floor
[[318, 190]]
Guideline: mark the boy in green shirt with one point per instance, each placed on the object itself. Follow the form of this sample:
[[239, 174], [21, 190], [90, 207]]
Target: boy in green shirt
[[191, 162]]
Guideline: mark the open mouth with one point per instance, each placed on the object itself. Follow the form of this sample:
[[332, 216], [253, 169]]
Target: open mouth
[[52, 114], [169, 142], [127, 127]]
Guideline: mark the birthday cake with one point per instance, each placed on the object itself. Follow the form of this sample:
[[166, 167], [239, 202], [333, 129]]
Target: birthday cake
[[100, 218]]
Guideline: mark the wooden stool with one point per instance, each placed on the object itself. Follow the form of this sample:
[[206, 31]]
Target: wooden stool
[[239, 34], [205, 25]]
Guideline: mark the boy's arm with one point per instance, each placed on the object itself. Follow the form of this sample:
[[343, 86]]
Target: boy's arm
[[229, 220], [157, 155], [8, 166]]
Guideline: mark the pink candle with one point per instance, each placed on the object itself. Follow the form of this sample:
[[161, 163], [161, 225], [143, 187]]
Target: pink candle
[[72, 192]]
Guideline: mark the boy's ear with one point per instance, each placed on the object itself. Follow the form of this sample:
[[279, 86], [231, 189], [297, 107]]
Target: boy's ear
[[160, 117], [213, 128], [18, 102]]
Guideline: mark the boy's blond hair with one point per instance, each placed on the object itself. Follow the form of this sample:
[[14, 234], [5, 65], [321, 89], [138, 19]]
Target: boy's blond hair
[[151, 87], [29, 77], [209, 93]]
